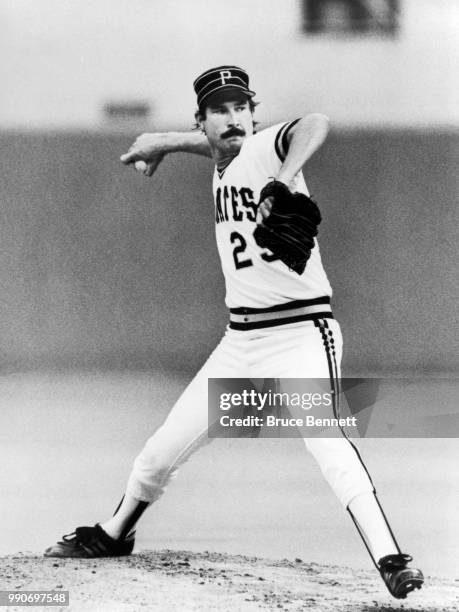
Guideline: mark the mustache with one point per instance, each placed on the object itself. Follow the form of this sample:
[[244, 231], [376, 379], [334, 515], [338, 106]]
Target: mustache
[[233, 132]]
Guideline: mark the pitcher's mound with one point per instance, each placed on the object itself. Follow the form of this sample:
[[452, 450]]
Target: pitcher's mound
[[180, 581]]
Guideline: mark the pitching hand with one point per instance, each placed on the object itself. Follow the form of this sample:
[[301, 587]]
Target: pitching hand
[[146, 153]]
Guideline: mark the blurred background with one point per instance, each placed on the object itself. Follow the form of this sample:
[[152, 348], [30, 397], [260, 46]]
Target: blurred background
[[97, 262], [111, 294]]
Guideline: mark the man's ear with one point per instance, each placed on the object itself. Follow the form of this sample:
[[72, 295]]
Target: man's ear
[[199, 121]]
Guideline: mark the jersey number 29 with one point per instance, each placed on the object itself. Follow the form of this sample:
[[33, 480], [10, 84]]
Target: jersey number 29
[[240, 247]]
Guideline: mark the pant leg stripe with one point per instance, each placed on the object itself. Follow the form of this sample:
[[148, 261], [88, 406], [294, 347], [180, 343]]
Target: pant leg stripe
[[329, 344], [329, 348]]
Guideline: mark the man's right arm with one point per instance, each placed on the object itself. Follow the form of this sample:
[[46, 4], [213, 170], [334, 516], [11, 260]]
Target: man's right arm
[[151, 148]]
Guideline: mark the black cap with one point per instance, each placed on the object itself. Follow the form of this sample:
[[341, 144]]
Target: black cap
[[222, 78]]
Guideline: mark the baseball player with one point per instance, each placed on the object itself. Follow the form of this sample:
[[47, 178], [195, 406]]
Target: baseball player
[[281, 323]]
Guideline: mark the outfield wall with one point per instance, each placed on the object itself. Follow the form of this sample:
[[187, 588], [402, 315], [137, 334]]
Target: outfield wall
[[103, 267]]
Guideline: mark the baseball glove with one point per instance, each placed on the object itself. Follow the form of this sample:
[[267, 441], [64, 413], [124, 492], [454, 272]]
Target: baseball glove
[[289, 230]]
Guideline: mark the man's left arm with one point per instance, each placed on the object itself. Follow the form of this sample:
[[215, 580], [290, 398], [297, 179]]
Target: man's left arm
[[303, 140], [305, 137]]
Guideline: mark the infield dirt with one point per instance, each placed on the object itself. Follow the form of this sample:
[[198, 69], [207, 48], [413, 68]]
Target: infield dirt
[[181, 581]]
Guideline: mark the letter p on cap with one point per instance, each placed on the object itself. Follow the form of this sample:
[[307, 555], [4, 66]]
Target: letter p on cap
[[224, 74]]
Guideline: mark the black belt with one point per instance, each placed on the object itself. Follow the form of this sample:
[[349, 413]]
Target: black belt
[[281, 314]]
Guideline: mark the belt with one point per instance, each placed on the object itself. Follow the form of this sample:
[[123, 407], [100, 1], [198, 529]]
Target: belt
[[281, 314]]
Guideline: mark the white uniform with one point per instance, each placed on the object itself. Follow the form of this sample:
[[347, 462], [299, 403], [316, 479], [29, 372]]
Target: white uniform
[[251, 279], [281, 326]]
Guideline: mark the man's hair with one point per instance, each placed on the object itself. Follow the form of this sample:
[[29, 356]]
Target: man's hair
[[200, 114]]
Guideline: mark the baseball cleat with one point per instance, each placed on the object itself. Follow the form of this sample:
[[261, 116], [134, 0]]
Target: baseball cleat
[[400, 579], [91, 542]]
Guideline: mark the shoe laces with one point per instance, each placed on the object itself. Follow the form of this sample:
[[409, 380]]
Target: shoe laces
[[81, 534], [395, 562]]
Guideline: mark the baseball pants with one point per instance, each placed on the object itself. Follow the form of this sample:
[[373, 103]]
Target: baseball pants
[[308, 349]]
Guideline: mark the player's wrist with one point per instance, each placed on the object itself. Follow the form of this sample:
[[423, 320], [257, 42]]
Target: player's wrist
[[162, 143], [286, 179]]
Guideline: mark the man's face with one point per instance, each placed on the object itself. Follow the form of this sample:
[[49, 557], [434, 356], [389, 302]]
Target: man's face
[[227, 123]]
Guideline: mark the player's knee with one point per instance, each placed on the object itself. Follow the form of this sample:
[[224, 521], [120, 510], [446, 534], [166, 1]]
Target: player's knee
[[149, 460]]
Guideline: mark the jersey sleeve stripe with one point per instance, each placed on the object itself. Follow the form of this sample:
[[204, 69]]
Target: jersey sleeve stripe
[[281, 142], [277, 143], [284, 136]]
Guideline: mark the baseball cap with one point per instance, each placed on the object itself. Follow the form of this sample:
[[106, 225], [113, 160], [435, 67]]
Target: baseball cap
[[222, 79]]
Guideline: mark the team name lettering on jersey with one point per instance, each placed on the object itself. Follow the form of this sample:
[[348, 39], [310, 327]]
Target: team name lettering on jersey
[[235, 204]]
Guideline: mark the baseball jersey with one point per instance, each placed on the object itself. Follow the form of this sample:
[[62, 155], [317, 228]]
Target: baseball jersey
[[253, 277]]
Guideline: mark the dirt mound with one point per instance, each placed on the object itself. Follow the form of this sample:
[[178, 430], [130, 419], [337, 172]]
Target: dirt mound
[[181, 581]]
